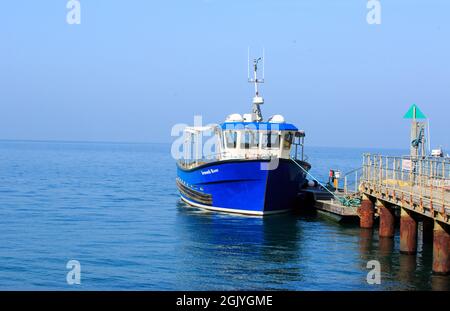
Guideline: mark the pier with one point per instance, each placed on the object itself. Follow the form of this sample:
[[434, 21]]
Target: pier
[[405, 190], [416, 190]]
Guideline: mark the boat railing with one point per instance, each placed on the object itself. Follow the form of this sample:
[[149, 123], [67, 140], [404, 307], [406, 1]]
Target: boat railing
[[192, 163]]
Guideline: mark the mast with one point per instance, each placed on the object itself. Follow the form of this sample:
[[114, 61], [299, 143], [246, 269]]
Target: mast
[[257, 100]]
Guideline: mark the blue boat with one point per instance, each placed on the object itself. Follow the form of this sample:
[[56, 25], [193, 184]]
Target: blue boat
[[251, 167]]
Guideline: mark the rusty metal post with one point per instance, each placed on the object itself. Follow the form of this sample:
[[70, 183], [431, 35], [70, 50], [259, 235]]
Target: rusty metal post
[[366, 213], [387, 220], [408, 232], [427, 229], [441, 248]]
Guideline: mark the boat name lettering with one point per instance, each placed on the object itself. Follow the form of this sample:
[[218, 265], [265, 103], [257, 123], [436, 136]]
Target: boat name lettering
[[210, 171]]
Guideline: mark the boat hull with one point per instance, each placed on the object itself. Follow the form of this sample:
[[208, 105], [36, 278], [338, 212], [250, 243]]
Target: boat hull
[[242, 186]]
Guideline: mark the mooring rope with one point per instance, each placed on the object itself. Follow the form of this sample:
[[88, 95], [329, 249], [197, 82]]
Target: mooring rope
[[346, 201]]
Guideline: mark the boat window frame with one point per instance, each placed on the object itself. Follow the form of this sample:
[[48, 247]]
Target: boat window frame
[[288, 140], [253, 137], [265, 144], [230, 144]]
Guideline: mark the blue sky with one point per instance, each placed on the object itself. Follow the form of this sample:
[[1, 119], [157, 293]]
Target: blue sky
[[133, 69]]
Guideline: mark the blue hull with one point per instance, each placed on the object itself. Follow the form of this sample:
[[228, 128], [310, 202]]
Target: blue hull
[[241, 186]]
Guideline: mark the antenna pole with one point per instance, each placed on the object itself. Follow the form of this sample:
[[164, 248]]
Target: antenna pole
[[255, 75], [257, 100]]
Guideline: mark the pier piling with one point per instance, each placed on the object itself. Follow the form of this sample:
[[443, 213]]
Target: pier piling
[[366, 212], [408, 232], [441, 249], [387, 220]]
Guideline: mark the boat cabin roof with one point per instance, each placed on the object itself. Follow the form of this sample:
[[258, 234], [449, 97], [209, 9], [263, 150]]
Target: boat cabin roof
[[265, 126]]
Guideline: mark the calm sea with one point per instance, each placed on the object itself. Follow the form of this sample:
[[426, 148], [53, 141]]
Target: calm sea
[[115, 209]]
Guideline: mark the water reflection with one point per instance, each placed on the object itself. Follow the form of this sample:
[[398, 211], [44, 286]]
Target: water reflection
[[440, 283], [365, 243], [386, 246], [386, 249], [226, 252], [263, 251], [407, 268]]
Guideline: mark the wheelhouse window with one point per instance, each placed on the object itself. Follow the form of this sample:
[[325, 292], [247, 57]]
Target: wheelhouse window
[[250, 140], [271, 140], [230, 139], [288, 139]]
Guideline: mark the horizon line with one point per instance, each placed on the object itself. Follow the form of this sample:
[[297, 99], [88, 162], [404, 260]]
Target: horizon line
[[160, 143]]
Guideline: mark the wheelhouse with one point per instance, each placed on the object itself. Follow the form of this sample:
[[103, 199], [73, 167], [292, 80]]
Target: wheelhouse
[[248, 140], [241, 140]]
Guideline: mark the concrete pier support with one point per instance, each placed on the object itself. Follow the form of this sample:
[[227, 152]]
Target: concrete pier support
[[408, 233], [441, 249], [427, 229], [366, 213], [387, 220]]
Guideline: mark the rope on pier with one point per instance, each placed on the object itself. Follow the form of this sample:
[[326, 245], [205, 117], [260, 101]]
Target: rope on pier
[[347, 201], [351, 201]]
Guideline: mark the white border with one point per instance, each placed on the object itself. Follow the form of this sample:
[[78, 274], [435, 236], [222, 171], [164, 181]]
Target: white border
[[234, 211]]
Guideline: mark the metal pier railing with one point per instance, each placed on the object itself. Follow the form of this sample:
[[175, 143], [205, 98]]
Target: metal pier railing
[[419, 183]]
